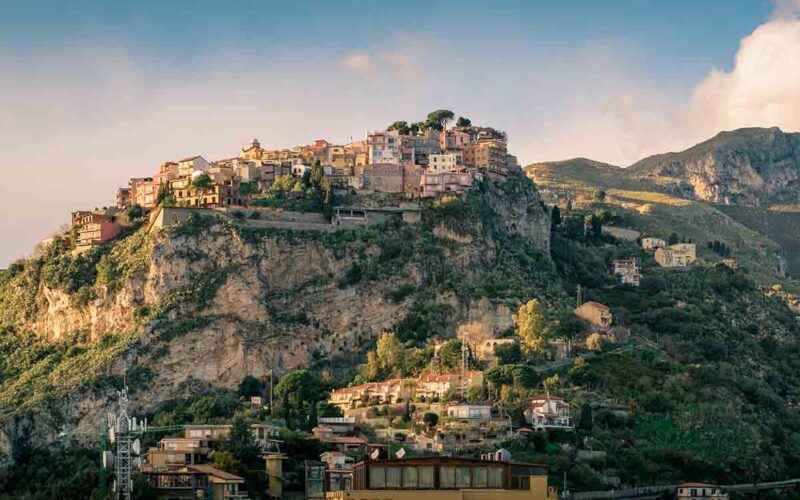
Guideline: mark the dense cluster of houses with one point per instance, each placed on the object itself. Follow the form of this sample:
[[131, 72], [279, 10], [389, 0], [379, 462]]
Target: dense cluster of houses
[[429, 387], [425, 164]]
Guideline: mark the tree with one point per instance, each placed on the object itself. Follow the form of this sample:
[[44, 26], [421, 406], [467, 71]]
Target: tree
[[400, 126], [555, 217], [508, 354], [203, 181], [463, 122], [390, 355], [298, 390], [407, 412], [600, 195], [525, 376], [595, 342], [439, 119], [430, 420], [249, 386], [673, 239], [531, 327], [224, 460], [248, 188]]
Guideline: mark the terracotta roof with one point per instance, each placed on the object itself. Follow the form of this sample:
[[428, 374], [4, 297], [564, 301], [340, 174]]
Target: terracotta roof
[[207, 469], [347, 440], [595, 305]]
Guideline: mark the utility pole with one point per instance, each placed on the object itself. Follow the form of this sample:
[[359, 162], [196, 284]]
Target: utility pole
[[464, 361]]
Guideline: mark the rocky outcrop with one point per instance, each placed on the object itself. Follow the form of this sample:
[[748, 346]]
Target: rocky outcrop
[[751, 166]]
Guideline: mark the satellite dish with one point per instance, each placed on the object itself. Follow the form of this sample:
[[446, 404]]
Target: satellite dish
[[400, 453], [111, 435], [375, 454], [108, 459], [137, 462], [136, 446]]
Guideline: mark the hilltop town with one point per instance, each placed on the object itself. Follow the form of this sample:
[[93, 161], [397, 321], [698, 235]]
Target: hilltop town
[[401, 313]]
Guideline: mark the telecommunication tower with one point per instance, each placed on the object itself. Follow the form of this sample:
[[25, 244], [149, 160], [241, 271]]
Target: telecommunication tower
[[123, 430]]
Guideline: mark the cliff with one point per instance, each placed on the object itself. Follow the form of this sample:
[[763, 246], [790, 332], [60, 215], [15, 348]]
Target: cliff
[[207, 302]]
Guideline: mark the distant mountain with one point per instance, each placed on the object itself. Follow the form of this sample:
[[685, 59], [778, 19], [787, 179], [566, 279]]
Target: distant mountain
[[749, 166]]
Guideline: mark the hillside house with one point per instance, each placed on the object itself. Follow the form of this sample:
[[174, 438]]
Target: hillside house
[[443, 163], [485, 349], [627, 270], [386, 392], [344, 444], [470, 413], [186, 481], [440, 183], [546, 412], [192, 164], [595, 313], [651, 243], [700, 491], [95, 228], [438, 386], [678, 255]]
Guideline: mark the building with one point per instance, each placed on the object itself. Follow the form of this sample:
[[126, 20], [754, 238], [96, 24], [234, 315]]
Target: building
[[339, 425], [95, 229], [627, 270], [196, 482], [187, 166], [386, 392], [484, 349], [595, 313], [383, 147], [446, 478], [344, 444], [442, 183], [214, 196], [167, 171], [651, 243], [546, 412], [143, 191], [700, 491], [470, 413], [123, 198], [487, 154], [253, 151], [382, 177], [338, 470], [678, 255], [177, 451], [439, 386], [454, 139]]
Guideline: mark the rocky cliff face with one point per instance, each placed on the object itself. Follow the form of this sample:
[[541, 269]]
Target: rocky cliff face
[[213, 302], [751, 166]]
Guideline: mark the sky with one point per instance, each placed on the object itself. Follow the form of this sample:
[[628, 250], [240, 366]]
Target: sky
[[95, 92]]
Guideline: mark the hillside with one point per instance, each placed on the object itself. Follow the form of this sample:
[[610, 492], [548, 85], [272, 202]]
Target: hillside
[[207, 302], [738, 187]]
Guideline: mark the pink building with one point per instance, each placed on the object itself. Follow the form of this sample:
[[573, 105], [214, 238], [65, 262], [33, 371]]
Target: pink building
[[166, 172], [143, 191], [443, 183], [96, 229]]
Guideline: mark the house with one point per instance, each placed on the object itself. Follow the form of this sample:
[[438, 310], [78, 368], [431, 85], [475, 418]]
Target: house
[[443, 163], [192, 164], [595, 313], [454, 139], [423, 478], [96, 228], [265, 434], [700, 491], [187, 481], [253, 151], [485, 349], [123, 198], [177, 451], [627, 270], [440, 183], [344, 444], [651, 243], [547, 412], [167, 171], [470, 413], [439, 386], [339, 425], [338, 470], [143, 191], [488, 154], [678, 255], [386, 392], [383, 147]]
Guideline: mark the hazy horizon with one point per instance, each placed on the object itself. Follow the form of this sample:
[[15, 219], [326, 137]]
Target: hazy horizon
[[102, 93]]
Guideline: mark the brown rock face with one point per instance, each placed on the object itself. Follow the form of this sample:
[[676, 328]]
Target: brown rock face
[[751, 166]]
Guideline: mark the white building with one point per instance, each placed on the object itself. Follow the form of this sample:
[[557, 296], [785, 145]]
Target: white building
[[472, 413], [651, 243], [700, 491], [548, 412], [443, 163], [192, 164]]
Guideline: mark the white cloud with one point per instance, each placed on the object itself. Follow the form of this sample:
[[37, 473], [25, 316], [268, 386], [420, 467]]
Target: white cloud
[[763, 89], [359, 62]]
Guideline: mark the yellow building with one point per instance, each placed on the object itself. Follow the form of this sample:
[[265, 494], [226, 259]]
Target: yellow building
[[595, 313], [678, 255], [446, 478]]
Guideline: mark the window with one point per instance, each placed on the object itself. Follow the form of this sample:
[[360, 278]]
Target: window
[[393, 477], [425, 477], [447, 477], [410, 477], [463, 475], [377, 477]]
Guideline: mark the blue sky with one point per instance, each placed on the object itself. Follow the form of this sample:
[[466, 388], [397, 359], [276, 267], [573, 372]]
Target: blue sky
[[94, 92]]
